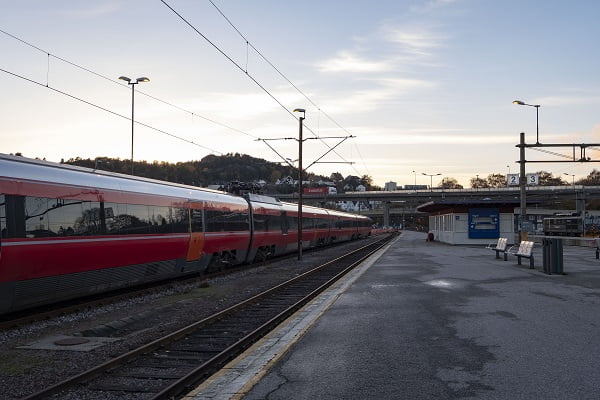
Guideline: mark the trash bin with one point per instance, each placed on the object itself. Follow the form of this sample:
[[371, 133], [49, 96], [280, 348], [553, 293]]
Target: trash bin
[[552, 251]]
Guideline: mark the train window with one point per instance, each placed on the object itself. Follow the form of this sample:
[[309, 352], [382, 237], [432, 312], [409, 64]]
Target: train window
[[322, 223], [292, 222], [197, 221], [308, 223], [284, 222], [214, 221], [261, 222], [235, 221], [181, 223], [159, 218], [46, 217], [15, 216], [36, 221], [134, 219], [274, 222], [3, 229]]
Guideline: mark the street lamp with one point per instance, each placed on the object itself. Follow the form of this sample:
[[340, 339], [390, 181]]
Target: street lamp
[[537, 119], [133, 83], [573, 176], [415, 180], [573, 187], [300, 119], [431, 179], [508, 166]]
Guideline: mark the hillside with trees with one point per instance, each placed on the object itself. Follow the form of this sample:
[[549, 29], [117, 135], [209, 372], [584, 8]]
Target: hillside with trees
[[223, 170]]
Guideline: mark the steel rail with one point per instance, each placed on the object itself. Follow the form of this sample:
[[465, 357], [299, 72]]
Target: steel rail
[[226, 355], [237, 348]]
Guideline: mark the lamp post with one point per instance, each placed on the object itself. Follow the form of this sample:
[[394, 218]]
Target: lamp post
[[430, 180], [300, 119], [537, 119], [133, 83], [572, 176], [415, 179], [508, 166], [573, 187]]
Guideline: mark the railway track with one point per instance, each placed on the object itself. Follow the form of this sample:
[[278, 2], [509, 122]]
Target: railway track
[[172, 365]]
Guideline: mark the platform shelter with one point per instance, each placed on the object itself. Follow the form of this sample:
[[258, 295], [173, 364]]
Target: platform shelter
[[471, 221]]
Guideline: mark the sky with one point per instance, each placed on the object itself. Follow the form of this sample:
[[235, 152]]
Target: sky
[[425, 87]]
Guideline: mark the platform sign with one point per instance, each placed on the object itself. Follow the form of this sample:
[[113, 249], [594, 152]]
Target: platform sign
[[512, 179], [484, 223], [533, 179]]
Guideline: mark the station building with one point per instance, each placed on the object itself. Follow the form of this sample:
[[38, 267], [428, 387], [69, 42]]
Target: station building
[[471, 221]]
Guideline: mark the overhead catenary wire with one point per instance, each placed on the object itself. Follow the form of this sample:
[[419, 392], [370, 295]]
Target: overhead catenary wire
[[244, 70], [116, 82], [248, 43], [107, 110]]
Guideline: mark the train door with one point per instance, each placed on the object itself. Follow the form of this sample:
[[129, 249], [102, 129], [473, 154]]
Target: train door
[[196, 244], [284, 223]]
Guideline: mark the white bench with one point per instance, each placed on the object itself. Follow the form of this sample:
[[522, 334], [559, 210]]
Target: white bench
[[500, 247], [525, 251]]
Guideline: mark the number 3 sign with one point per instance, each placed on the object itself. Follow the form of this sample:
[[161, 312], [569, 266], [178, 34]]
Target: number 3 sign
[[532, 179]]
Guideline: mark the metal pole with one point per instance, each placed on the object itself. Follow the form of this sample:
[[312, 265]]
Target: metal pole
[[522, 187], [300, 190], [537, 124], [132, 120]]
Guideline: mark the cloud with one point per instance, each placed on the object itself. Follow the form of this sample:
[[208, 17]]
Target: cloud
[[430, 6], [93, 11], [345, 61], [418, 41]]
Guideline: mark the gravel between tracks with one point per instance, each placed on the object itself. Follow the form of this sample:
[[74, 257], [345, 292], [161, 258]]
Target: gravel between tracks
[[135, 322]]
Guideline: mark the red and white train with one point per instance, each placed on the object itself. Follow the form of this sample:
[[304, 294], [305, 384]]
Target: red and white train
[[67, 231]]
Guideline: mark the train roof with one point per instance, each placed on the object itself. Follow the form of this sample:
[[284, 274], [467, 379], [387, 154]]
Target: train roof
[[16, 167]]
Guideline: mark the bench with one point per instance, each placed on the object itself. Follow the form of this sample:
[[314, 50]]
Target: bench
[[525, 251], [500, 247]]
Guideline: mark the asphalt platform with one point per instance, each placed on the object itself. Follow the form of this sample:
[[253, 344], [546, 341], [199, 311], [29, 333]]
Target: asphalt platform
[[424, 320]]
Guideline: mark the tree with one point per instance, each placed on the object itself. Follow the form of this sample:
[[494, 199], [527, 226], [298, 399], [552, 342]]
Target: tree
[[496, 180], [478, 182], [367, 182], [351, 182], [546, 178], [450, 183], [593, 179]]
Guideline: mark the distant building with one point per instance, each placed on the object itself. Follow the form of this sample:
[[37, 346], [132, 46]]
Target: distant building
[[390, 186]]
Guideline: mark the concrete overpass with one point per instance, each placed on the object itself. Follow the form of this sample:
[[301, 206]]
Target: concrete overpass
[[403, 203]]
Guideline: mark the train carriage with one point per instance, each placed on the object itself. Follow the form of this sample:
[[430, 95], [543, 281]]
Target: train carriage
[[67, 231]]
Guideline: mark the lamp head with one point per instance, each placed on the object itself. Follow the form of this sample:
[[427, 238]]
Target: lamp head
[[142, 79], [519, 102], [124, 78]]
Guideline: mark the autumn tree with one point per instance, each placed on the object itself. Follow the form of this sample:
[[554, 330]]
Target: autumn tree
[[593, 179], [496, 180], [450, 183], [477, 183], [546, 178]]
